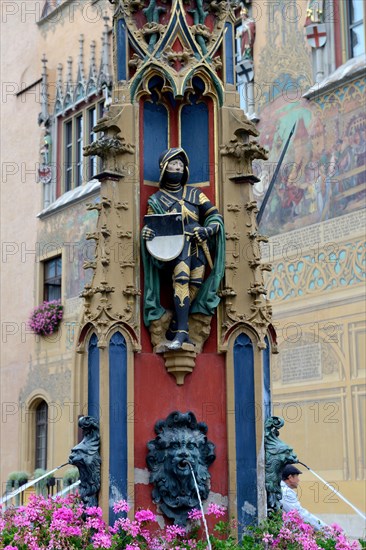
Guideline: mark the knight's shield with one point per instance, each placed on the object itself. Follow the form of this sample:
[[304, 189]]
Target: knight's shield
[[169, 235]]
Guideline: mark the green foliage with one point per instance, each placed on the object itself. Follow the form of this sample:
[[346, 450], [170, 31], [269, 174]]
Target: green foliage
[[16, 479], [70, 477]]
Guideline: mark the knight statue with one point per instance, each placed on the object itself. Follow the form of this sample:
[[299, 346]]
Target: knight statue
[[183, 233]]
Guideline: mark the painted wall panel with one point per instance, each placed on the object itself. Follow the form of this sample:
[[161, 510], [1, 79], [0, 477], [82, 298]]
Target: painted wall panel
[[155, 128], [195, 140]]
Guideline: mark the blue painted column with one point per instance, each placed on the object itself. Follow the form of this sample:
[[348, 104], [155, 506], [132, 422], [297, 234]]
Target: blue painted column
[[117, 421], [245, 430], [267, 400], [93, 378], [121, 50], [229, 54]]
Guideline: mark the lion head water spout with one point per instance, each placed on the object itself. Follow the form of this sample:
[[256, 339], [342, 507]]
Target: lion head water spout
[[180, 449], [85, 456]]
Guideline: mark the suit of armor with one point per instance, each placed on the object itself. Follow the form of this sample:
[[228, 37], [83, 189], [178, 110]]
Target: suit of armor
[[201, 223]]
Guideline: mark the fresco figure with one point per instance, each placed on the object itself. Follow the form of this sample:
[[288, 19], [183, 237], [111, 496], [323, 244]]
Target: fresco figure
[[203, 243], [246, 34]]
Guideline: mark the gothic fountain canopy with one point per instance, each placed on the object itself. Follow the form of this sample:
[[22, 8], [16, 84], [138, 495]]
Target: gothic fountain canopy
[[175, 37]]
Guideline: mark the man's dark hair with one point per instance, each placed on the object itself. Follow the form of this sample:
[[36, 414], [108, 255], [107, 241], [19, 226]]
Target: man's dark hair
[[290, 470]]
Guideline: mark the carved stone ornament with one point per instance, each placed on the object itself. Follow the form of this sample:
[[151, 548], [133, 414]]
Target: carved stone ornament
[[109, 148], [277, 455], [244, 152], [176, 37], [85, 456], [179, 363], [179, 448]]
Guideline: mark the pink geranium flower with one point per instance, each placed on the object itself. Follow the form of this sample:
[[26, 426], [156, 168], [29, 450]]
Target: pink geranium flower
[[45, 319]]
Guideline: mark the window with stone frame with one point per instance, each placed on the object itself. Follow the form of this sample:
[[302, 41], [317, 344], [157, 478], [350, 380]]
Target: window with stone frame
[[52, 274], [356, 27], [348, 20], [41, 421], [75, 132]]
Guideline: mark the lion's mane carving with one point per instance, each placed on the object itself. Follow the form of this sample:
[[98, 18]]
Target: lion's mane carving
[[85, 456], [277, 455], [179, 446]]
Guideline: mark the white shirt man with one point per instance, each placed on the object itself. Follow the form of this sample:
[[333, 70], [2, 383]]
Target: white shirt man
[[290, 482]]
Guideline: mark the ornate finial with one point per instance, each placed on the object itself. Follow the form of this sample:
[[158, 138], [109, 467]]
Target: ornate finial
[[69, 70], [69, 87], [59, 73], [59, 101], [81, 57], [93, 76], [43, 117], [105, 78], [105, 72], [80, 81]]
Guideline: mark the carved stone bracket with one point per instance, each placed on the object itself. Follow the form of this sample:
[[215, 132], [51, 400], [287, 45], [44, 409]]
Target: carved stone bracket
[[181, 362], [108, 148], [244, 152]]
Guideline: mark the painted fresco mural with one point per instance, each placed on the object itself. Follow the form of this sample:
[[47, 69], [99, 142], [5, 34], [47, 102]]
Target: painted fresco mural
[[321, 177]]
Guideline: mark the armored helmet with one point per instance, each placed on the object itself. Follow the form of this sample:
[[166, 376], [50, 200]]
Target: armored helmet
[[170, 154]]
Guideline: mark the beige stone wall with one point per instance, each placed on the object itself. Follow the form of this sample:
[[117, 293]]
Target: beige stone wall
[[26, 362], [318, 377], [316, 285], [20, 203]]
